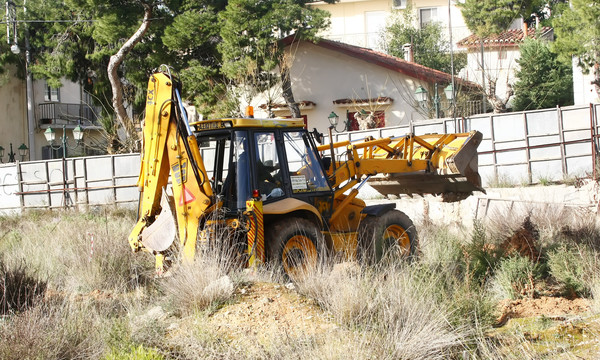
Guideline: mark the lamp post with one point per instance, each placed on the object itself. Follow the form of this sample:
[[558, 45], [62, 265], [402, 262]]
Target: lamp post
[[51, 137], [333, 121], [23, 150], [422, 97], [11, 155]]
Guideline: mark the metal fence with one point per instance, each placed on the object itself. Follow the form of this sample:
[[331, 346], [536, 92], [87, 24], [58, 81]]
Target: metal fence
[[84, 181], [519, 148]]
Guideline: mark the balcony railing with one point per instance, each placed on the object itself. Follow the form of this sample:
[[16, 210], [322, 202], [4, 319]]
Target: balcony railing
[[68, 114]]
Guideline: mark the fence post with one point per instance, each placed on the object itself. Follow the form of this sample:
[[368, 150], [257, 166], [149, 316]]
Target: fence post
[[561, 135], [493, 138], [527, 149], [20, 186], [594, 145]]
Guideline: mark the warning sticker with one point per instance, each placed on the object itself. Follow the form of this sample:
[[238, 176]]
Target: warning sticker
[[298, 182], [186, 196]]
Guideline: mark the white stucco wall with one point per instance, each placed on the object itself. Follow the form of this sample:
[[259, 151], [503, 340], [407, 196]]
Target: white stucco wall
[[502, 69], [322, 76], [349, 18], [583, 90]]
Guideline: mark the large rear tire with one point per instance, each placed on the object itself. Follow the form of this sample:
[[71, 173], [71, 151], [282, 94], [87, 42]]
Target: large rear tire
[[295, 245], [387, 237]]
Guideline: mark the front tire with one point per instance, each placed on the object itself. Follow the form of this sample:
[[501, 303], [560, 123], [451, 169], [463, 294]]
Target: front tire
[[387, 237], [295, 245]]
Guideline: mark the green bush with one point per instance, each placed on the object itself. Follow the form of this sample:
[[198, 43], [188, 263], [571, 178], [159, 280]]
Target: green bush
[[515, 277], [569, 267], [481, 257]]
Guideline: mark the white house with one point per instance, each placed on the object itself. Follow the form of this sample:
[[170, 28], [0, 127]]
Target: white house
[[500, 55], [359, 22], [330, 76]]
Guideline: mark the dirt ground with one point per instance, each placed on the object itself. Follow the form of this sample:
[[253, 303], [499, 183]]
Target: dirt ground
[[273, 310], [543, 306]]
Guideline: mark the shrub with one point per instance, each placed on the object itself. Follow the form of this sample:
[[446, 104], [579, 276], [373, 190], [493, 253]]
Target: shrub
[[59, 248], [568, 267], [399, 304], [515, 277], [481, 257], [134, 353]]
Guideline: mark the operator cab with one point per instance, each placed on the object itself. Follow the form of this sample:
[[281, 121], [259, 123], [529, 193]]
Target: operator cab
[[276, 157]]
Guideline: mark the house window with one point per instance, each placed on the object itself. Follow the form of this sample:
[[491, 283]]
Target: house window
[[49, 153], [378, 119], [400, 4], [51, 94], [427, 16]]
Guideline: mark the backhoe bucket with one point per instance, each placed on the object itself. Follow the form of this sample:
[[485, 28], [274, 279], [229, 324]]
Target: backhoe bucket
[[161, 233], [454, 176]]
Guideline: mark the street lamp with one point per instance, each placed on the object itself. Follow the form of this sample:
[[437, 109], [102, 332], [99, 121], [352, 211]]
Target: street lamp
[[51, 137], [23, 149], [334, 120], [422, 97]]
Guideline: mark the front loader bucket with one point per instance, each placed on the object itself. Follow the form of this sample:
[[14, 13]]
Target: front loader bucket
[[161, 233], [454, 175]]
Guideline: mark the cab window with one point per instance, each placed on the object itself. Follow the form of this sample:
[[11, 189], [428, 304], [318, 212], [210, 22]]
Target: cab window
[[305, 172]]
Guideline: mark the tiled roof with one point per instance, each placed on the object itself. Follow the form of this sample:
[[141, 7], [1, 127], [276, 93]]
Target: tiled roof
[[378, 100], [511, 37], [301, 104], [387, 61]]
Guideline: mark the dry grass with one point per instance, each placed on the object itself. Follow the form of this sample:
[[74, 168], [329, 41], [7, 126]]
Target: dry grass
[[59, 248], [109, 306], [53, 331]]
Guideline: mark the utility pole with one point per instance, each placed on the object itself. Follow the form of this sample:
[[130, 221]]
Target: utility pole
[[452, 63], [29, 89]]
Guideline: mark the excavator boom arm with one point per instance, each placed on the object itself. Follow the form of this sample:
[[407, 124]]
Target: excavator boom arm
[[169, 149]]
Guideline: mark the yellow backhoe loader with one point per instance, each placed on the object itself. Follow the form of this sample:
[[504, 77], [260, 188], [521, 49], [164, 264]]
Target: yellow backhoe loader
[[286, 200]]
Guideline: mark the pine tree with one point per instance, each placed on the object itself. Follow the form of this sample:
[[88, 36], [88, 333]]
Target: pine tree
[[544, 81], [486, 17]]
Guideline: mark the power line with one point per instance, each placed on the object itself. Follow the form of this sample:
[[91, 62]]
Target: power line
[[60, 21]]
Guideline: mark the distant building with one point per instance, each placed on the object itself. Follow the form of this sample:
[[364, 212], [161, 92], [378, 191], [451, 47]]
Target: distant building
[[68, 105], [500, 55], [330, 76], [584, 91], [360, 22]]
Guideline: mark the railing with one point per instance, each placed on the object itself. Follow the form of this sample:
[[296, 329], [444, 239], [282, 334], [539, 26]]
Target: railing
[[68, 114]]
